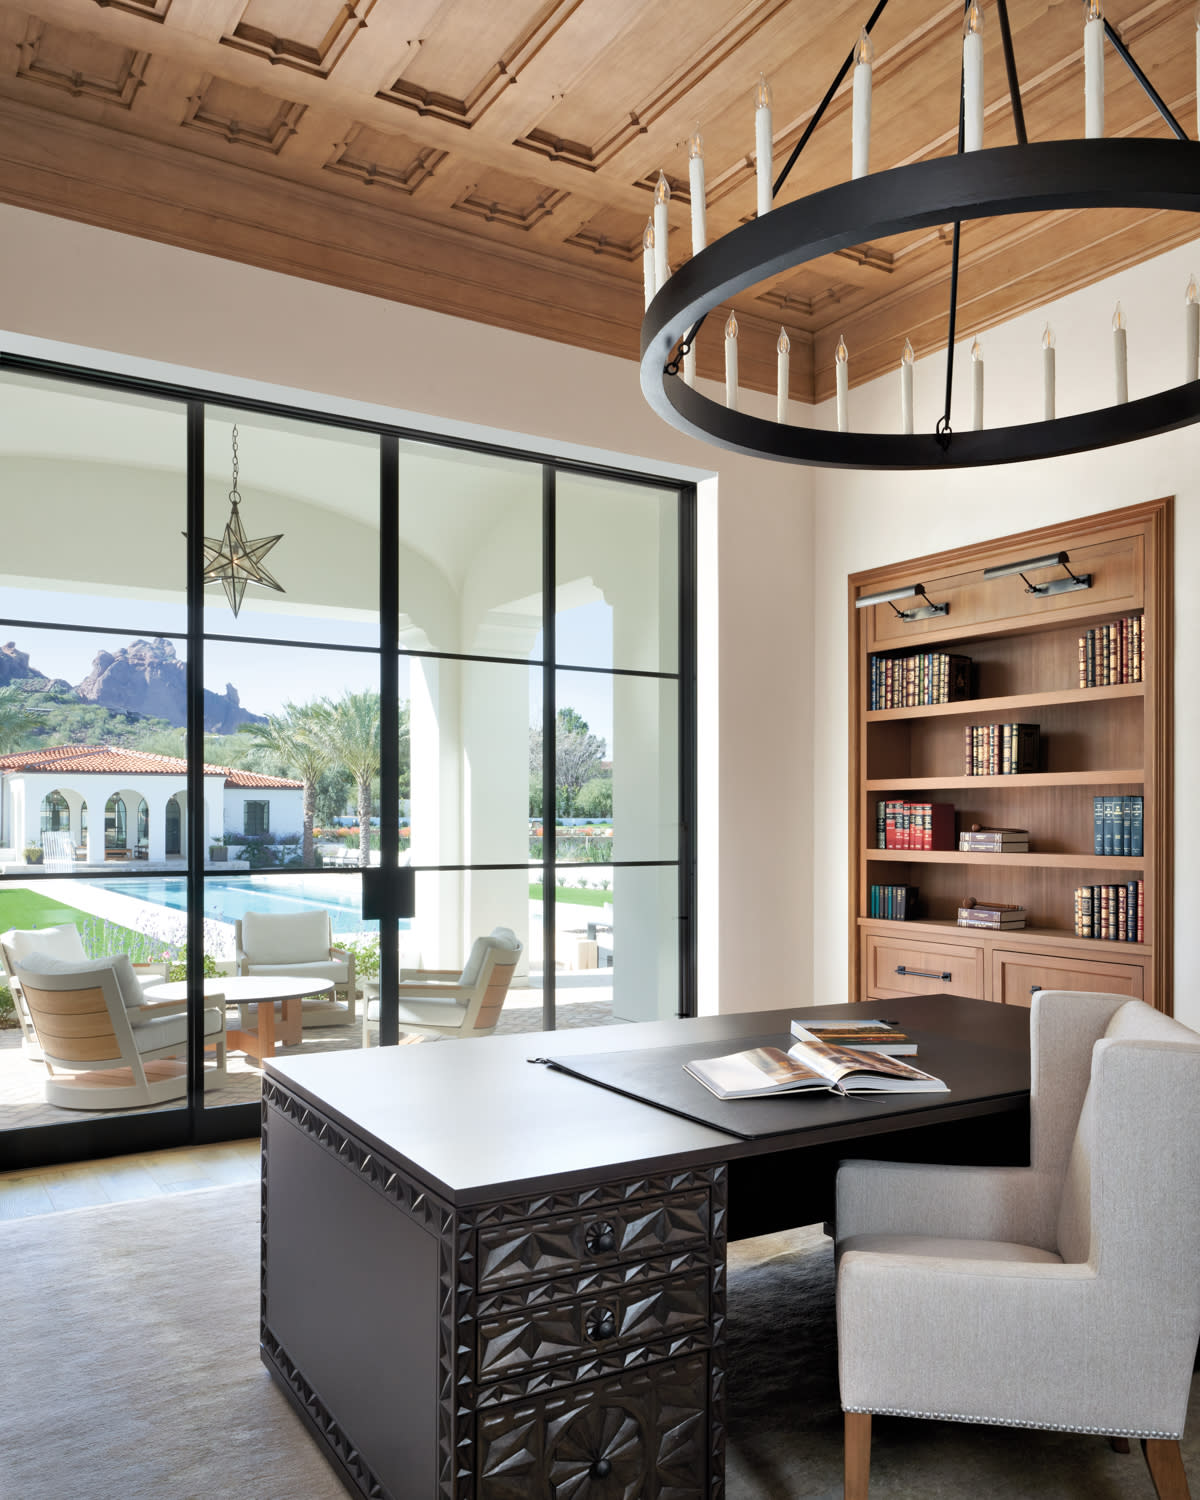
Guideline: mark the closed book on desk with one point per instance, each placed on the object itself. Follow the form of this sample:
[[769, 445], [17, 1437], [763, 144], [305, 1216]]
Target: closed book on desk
[[862, 1036], [809, 1064]]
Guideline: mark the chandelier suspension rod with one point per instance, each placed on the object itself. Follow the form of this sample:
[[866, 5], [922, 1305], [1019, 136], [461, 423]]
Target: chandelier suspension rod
[[1010, 66], [685, 344], [825, 103], [943, 427], [1127, 58]]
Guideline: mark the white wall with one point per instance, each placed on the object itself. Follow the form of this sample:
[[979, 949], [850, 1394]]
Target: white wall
[[866, 520], [122, 302]]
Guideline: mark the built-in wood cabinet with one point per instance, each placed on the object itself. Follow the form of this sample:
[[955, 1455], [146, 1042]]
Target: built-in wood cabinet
[[1094, 741]]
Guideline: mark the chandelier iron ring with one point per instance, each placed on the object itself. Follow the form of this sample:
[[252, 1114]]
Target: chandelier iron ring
[[1039, 177]]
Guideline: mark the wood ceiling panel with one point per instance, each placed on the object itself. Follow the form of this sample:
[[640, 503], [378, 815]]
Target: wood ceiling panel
[[391, 152], [310, 35]]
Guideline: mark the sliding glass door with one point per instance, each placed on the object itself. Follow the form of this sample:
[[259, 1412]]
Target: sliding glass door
[[307, 713]]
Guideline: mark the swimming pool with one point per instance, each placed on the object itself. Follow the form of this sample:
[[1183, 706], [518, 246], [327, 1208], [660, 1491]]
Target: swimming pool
[[227, 899]]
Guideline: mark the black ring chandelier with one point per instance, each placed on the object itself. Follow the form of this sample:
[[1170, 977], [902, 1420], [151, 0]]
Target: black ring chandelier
[[1091, 173]]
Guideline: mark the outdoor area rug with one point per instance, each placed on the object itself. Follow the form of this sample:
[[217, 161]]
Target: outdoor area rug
[[129, 1370]]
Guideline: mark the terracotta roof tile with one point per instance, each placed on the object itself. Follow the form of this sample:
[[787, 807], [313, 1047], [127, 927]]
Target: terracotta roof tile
[[115, 759]]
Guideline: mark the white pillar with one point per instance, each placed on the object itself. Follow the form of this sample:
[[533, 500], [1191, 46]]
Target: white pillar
[[434, 739], [97, 797], [156, 801]]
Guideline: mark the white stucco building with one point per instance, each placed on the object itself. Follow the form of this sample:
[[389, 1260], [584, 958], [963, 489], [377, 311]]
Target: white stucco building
[[129, 803]]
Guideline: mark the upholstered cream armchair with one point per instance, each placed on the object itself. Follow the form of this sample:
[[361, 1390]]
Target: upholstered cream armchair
[[457, 1002], [1062, 1295], [104, 1045], [298, 943]]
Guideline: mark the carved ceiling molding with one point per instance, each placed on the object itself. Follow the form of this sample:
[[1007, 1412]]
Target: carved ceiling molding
[[355, 157], [792, 305], [468, 110], [152, 10], [642, 116], [271, 135], [593, 240], [517, 216], [872, 256], [319, 59], [119, 88]]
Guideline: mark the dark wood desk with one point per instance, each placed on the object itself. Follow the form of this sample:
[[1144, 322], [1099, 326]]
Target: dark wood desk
[[487, 1280]]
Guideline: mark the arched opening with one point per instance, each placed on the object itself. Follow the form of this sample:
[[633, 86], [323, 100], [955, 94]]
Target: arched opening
[[143, 828], [56, 813], [174, 828], [116, 826]]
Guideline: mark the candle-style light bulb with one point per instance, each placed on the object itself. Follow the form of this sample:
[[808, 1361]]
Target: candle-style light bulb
[[763, 144], [977, 386], [973, 77], [906, 387], [648, 261], [1120, 354], [662, 229], [1093, 69], [841, 370], [860, 124], [1048, 374], [783, 350], [1191, 314], [696, 190], [731, 363]]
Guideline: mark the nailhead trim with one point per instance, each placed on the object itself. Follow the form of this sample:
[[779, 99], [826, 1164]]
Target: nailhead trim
[[955, 1416]]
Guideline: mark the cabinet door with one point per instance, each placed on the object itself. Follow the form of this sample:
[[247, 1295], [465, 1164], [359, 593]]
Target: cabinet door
[[901, 966], [1016, 977]]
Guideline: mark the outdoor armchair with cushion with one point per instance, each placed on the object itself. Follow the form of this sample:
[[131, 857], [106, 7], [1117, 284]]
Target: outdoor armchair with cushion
[[1061, 1295], [103, 1046], [57, 942], [298, 943], [458, 1002]]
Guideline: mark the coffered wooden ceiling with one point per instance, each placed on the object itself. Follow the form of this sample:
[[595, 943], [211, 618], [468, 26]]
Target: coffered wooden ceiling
[[495, 159]]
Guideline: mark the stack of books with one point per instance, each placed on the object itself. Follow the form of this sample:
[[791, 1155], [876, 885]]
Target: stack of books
[[1117, 825], [997, 915], [994, 841], [1001, 749], [1113, 653], [914, 825], [913, 680], [896, 903], [1114, 913]]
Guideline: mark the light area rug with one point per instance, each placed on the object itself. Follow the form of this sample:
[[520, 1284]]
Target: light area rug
[[129, 1370]]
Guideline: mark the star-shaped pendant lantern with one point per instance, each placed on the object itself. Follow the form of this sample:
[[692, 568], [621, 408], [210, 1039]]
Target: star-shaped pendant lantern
[[233, 561]]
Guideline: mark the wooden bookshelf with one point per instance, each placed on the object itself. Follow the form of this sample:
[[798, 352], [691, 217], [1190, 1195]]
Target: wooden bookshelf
[[1108, 740]]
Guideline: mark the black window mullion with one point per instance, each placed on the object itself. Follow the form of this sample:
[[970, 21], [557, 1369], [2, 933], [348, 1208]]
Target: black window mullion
[[688, 731], [549, 740], [389, 736], [196, 836]]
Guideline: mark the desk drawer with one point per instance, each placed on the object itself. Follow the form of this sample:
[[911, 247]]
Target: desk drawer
[[637, 1305], [902, 966], [1016, 977], [534, 1250]]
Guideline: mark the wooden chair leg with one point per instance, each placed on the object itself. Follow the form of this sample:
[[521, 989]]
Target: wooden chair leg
[[1119, 1445], [1165, 1463], [858, 1454]]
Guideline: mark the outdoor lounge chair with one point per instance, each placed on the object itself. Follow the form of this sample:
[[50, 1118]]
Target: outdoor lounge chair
[[58, 942], [298, 943], [454, 1002], [102, 1046]]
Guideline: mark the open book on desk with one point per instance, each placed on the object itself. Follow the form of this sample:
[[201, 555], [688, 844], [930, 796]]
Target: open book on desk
[[809, 1064]]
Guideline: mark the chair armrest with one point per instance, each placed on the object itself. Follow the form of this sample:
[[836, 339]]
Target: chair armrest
[[241, 962], [160, 968], [951, 1202], [435, 989], [151, 1010], [430, 973]]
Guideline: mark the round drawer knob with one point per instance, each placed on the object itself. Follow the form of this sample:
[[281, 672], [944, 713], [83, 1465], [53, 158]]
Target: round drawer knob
[[601, 1238], [600, 1324], [601, 1469]]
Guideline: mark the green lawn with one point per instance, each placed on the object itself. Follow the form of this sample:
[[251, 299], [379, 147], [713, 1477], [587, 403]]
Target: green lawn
[[28, 909], [574, 895]]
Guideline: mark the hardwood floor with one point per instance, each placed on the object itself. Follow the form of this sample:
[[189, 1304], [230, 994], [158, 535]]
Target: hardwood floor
[[119, 1179]]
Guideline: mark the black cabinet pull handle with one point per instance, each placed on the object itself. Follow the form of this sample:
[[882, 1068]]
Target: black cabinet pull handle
[[1033, 988], [600, 1323], [923, 973], [600, 1238]]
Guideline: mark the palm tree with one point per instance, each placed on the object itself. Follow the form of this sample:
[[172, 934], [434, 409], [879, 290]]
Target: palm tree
[[16, 720], [354, 726], [301, 738]]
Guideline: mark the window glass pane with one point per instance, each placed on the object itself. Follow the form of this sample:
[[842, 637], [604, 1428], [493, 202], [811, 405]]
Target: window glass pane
[[644, 942], [470, 561], [95, 916], [617, 767], [316, 490], [95, 506], [617, 599]]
